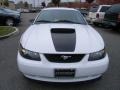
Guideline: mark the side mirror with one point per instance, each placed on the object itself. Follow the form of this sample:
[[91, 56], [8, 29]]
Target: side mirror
[[32, 20]]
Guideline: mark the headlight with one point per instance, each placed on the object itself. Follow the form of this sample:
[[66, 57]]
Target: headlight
[[29, 54], [97, 55]]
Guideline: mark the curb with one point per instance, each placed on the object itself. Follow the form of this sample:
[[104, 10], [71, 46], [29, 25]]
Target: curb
[[12, 33]]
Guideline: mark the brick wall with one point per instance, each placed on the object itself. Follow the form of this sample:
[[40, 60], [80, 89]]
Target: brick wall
[[85, 4], [107, 1]]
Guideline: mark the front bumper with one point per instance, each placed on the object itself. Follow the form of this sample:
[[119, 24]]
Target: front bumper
[[44, 70], [17, 20], [91, 20], [95, 20], [100, 21]]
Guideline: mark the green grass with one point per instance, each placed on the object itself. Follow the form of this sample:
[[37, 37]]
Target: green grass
[[6, 30]]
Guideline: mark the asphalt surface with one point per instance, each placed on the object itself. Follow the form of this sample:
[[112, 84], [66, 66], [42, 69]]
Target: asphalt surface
[[12, 79]]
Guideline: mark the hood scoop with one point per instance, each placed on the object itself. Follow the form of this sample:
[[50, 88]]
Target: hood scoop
[[64, 31], [64, 39]]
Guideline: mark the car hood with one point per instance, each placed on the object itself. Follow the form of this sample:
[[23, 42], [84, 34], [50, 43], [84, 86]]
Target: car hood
[[13, 13], [38, 38]]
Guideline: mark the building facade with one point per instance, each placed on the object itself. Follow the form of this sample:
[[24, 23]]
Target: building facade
[[11, 5], [1, 3], [85, 4]]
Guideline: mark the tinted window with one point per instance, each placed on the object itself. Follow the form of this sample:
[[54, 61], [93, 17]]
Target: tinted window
[[104, 8], [115, 8], [53, 16], [94, 9]]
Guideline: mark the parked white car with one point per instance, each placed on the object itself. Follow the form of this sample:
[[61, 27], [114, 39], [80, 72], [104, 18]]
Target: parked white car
[[61, 47], [96, 14]]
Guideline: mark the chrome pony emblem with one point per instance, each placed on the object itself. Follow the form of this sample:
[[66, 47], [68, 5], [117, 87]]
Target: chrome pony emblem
[[65, 57]]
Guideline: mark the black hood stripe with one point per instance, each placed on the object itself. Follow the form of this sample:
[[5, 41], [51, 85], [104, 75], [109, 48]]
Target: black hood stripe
[[64, 39]]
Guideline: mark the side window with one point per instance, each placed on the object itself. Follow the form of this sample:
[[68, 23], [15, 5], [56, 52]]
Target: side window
[[115, 8], [104, 8], [94, 9]]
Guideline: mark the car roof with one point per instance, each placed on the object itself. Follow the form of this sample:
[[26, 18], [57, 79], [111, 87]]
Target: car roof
[[59, 8], [114, 8], [104, 5]]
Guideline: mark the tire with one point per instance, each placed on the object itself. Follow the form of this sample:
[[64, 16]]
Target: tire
[[96, 24], [119, 29], [10, 22], [116, 29]]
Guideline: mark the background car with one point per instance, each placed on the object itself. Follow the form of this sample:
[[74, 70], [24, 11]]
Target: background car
[[112, 17], [9, 17], [83, 11], [12, 11], [23, 10], [34, 10], [96, 14], [61, 47]]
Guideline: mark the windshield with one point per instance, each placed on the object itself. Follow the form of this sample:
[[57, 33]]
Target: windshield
[[114, 8], [1, 11], [60, 16]]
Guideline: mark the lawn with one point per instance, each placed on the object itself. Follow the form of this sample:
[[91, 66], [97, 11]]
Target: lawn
[[6, 30]]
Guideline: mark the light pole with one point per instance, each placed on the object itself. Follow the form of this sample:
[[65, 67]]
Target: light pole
[[34, 3]]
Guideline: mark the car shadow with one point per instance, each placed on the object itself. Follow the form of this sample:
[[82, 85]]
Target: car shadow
[[108, 30], [62, 85], [3, 38]]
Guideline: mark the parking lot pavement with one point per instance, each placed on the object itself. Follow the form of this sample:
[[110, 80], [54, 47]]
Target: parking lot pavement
[[12, 79]]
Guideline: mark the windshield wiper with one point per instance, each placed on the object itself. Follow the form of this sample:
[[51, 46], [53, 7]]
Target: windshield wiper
[[66, 21], [58, 21], [43, 21]]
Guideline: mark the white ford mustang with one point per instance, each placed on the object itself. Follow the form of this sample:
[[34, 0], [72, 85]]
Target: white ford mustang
[[61, 47]]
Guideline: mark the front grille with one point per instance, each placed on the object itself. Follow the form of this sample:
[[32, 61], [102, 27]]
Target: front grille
[[64, 58]]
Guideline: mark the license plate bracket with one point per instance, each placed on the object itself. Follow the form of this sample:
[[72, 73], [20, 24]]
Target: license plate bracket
[[61, 73]]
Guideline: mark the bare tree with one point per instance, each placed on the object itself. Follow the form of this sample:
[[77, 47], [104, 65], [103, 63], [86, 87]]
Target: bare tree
[[6, 3], [20, 4], [26, 5], [56, 2]]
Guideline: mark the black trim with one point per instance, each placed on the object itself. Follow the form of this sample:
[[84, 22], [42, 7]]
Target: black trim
[[64, 58], [64, 39]]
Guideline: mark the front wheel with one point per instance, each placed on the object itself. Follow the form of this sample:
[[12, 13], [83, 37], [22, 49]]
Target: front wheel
[[117, 28], [96, 24], [9, 22]]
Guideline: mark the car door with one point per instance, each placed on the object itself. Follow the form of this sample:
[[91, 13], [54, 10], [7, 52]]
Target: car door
[[2, 17], [102, 11]]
